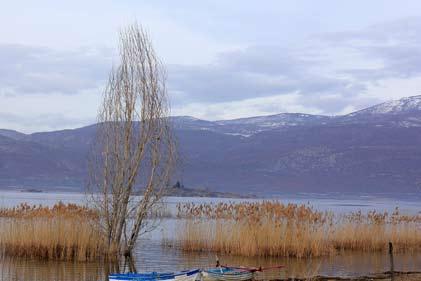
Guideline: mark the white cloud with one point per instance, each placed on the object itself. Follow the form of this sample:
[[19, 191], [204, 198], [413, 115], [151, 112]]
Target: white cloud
[[225, 59], [31, 70], [245, 108], [46, 112]]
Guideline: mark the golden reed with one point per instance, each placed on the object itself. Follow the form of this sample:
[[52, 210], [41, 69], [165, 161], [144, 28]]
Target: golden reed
[[60, 232], [275, 229]]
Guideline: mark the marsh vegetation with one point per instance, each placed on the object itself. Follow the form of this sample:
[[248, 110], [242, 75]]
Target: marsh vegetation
[[149, 255], [61, 232], [270, 228]]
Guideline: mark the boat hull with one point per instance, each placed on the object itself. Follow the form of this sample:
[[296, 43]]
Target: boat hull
[[226, 275], [191, 275]]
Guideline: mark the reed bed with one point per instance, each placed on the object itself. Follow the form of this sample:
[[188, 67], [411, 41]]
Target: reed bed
[[275, 229], [60, 232]]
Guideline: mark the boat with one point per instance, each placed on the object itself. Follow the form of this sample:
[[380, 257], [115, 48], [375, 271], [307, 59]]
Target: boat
[[227, 274], [187, 275]]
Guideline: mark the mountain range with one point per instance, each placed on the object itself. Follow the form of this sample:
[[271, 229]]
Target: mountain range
[[374, 150]]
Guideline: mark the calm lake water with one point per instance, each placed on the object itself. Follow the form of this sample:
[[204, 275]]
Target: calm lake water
[[151, 256]]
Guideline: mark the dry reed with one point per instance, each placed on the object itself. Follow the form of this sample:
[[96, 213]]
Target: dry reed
[[274, 229], [60, 232]]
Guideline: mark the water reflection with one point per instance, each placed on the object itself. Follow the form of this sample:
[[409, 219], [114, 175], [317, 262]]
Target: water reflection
[[33, 270], [153, 257], [150, 256], [166, 260]]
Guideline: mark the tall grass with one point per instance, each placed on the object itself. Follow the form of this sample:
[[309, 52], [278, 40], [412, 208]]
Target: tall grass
[[60, 232], [274, 229]]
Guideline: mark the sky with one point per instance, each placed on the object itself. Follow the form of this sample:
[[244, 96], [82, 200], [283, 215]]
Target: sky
[[224, 59]]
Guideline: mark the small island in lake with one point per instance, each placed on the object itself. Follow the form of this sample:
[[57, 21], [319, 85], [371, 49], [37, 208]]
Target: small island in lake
[[179, 190]]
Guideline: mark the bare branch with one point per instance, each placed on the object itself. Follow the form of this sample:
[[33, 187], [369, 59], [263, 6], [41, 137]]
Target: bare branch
[[134, 152]]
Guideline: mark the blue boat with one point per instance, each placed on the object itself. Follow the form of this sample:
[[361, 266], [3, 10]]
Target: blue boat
[[187, 275]]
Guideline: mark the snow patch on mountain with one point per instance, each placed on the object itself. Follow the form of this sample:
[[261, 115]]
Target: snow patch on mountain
[[405, 112], [393, 107]]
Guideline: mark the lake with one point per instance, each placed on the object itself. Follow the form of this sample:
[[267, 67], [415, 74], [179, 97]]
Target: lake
[[150, 255]]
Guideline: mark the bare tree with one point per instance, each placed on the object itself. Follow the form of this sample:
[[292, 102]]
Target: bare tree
[[133, 155]]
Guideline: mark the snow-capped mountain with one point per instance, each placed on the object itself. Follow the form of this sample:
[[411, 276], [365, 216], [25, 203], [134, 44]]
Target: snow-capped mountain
[[377, 149], [252, 125], [401, 106], [405, 112]]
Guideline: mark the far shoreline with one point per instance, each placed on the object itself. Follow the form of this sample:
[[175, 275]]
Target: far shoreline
[[208, 193]]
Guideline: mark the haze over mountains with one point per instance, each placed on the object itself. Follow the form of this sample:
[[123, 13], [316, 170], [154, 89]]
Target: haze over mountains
[[375, 150]]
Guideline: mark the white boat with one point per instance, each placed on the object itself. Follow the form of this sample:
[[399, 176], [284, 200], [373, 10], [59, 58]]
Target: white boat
[[226, 274]]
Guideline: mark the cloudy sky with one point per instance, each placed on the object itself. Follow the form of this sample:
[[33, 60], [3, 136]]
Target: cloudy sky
[[225, 59]]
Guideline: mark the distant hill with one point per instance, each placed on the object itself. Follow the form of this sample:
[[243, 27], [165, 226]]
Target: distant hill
[[374, 150], [12, 134]]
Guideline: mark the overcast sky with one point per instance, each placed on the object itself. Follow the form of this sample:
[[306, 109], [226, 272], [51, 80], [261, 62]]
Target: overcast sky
[[225, 59]]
